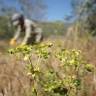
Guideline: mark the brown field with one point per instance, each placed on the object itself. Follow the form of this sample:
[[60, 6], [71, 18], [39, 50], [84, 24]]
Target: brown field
[[13, 80]]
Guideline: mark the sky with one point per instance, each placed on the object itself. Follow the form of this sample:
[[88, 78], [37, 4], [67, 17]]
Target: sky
[[56, 9]]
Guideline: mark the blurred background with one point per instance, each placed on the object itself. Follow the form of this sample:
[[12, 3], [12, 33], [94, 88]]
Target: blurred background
[[55, 17], [71, 22]]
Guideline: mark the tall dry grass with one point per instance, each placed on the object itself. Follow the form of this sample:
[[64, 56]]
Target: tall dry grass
[[13, 79]]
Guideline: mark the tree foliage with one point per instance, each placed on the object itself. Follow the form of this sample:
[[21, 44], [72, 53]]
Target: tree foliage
[[34, 9], [5, 31], [84, 10]]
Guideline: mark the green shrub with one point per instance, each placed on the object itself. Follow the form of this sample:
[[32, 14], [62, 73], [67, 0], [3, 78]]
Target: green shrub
[[48, 81]]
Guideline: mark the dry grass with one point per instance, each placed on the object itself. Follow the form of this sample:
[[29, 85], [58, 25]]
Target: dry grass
[[13, 80]]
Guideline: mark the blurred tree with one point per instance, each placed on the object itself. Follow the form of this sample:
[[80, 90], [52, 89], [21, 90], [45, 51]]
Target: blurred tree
[[34, 9], [5, 31], [85, 11]]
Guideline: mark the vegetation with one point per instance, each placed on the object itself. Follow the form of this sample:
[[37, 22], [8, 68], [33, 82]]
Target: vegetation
[[84, 11], [65, 80], [49, 28], [61, 65], [35, 9]]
